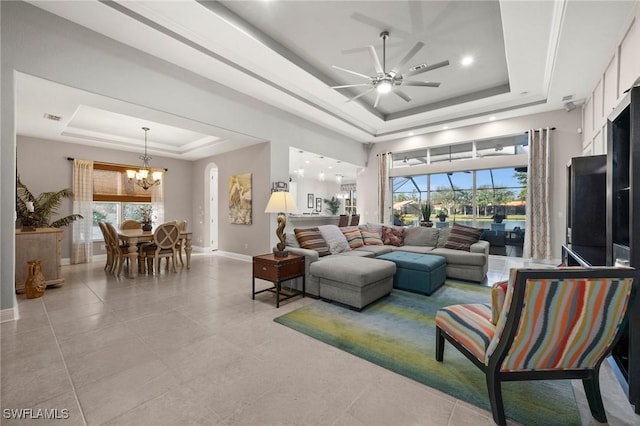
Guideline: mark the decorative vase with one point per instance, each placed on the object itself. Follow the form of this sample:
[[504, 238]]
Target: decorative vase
[[146, 226], [442, 218], [35, 285], [426, 224]]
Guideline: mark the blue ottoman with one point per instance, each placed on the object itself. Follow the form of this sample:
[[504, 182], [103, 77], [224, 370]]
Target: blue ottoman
[[419, 273]]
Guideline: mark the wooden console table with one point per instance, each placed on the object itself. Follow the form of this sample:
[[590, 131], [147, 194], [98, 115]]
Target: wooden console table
[[43, 244]]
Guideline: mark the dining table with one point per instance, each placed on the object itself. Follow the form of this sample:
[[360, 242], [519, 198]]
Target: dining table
[[134, 236]]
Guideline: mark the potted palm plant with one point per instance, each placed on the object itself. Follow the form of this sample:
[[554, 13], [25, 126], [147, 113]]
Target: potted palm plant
[[442, 215], [36, 212], [333, 205]]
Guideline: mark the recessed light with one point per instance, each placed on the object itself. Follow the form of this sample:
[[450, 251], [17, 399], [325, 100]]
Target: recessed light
[[466, 61], [307, 162], [492, 118], [410, 133], [330, 167], [445, 127]]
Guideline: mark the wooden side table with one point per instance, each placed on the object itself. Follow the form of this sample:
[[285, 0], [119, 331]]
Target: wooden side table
[[277, 269]]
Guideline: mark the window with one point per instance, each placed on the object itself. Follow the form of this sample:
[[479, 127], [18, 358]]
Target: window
[[114, 198], [495, 192]]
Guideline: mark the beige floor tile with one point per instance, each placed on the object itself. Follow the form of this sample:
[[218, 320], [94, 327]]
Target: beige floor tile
[[192, 347]]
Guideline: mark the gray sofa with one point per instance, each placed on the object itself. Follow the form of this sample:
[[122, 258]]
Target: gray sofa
[[466, 265]]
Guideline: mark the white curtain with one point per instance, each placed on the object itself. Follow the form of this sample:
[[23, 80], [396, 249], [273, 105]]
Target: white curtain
[[537, 240], [157, 202], [81, 229], [383, 182]]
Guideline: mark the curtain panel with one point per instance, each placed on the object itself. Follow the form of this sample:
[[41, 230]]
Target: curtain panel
[[81, 229], [157, 202], [383, 185], [537, 240]]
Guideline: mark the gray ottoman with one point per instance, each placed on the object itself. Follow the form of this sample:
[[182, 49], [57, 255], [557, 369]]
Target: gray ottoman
[[353, 281], [419, 273]]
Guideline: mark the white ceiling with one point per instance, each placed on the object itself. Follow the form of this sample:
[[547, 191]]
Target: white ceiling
[[528, 56]]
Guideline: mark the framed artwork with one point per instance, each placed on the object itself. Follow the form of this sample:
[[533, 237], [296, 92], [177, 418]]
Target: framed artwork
[[318, 205], [309, 201], [240, 206]]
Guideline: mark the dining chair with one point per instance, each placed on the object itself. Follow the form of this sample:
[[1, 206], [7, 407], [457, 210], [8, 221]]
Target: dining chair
[[344, 220], [107, 245], [355, 220], [182, 227], [165, 238], [131, 224], [549, 324], [119, 251]]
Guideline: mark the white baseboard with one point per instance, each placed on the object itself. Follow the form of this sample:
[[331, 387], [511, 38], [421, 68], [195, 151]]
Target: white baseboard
[[10, 314], [237, 256]]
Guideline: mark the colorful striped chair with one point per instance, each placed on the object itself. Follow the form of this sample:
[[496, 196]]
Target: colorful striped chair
[[553, 324]]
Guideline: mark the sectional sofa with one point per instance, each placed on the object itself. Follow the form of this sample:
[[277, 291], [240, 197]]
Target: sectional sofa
[[469, 265]]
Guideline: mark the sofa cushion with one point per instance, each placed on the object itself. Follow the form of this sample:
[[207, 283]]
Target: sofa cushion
[[371, 238], [461, 237], [354, 238], [392, 236], [374, 227], [335, 238], [461, 257], [414, 249], [443, 235], [421, 236], [311, 239], [375, 249]]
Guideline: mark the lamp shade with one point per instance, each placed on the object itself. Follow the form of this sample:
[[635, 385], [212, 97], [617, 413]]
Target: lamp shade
[[281, 202]]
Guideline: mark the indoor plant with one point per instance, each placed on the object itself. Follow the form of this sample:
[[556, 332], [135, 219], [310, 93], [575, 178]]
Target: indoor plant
[[333, 205], [442, 215], [36, 212], [426, 215], [145, 213]]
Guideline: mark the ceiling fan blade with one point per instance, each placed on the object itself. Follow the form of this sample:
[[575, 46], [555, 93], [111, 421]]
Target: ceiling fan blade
[[410, 54], [375, 104], [428, 68], [401, 94], [350, 85], [361, 94], [350, 72], [376, 60], [421, 83]]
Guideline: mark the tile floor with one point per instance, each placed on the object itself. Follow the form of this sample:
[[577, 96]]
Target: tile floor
[[193, 348]]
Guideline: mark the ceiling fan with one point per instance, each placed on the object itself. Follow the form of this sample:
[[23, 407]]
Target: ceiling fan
[[388, 81]]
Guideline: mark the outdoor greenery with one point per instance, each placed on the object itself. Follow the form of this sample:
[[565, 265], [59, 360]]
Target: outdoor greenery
[[45, 206]]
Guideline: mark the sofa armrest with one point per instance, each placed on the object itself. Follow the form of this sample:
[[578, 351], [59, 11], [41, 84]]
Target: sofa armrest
[[481, 246], [310, 255]]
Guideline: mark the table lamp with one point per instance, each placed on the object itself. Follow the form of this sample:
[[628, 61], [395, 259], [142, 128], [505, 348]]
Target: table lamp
[[282, 203]]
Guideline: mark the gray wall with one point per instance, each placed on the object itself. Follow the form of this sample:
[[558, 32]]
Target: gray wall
[[43, 166], [242, 239]]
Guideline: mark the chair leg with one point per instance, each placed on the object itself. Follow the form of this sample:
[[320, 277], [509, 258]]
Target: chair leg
[[157, 259], [495, 398], [594, 397], [439, 344]]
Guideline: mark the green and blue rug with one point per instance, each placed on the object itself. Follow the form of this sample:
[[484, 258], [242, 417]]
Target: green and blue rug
[[398, 333]]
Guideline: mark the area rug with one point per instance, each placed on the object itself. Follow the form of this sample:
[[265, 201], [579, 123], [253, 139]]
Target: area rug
[[398, 333]]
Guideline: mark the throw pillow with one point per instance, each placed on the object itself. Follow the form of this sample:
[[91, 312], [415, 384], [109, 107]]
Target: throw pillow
[[421, 236], [311, 239], [371, 238], [354, 237], [335, 238], [461, 237], [498, 293], [443, 236], [392, 236]]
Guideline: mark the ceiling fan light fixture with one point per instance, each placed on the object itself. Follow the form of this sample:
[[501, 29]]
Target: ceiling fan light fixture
[[384, 86]]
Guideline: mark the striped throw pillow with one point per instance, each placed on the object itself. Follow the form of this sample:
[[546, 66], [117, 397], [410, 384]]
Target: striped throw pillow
[[311, 239], [371, 238], [461, 237], [354, 238]]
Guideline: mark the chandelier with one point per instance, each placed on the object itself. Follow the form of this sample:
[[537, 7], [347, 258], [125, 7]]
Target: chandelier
[[144, 177]]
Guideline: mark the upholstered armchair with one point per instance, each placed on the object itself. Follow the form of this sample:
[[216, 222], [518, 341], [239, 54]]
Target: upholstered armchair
[[557, 323]]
